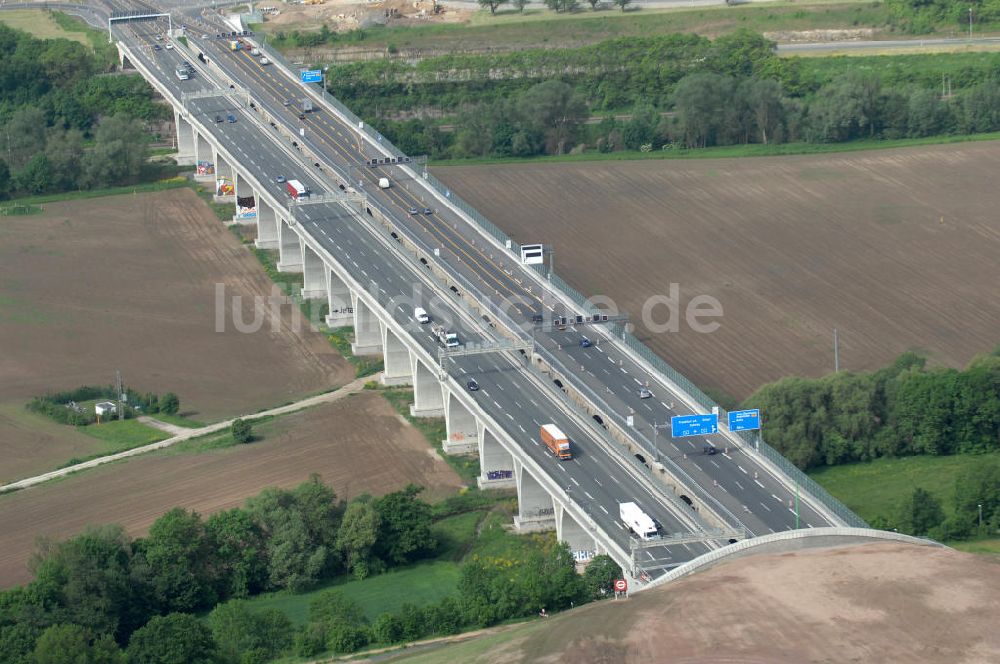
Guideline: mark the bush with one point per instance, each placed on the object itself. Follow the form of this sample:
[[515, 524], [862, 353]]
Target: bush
[[346, 638], [170, 404], [242, 431]]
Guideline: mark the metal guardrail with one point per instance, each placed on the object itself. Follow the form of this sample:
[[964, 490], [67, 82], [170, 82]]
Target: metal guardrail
[[806, 484]]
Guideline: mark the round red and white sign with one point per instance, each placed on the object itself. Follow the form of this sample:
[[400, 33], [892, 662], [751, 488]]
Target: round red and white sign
[[621, 585]]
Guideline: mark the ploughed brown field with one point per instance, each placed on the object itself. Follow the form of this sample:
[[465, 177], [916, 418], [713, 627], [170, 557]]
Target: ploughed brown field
[[358, 444], [888, 602], [896, 249], [129, 282]]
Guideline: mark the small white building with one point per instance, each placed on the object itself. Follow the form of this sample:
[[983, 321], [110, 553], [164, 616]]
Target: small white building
[[105, 408]]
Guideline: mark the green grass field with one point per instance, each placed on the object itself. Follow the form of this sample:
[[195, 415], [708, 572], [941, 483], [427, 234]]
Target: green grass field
[[989, 547], [877, 487], [420, 584], [41, 24], [121, 435]]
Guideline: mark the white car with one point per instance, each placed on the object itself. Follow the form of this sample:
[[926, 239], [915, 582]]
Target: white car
[[644, 393], [169, 46], [421, 316]]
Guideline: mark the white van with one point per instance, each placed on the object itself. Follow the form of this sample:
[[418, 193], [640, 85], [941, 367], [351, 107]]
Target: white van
[[383, 183], [421, 316]]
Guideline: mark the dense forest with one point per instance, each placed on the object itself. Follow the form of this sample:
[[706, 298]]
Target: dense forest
[[105, 597], [676, 91], [66, 122]]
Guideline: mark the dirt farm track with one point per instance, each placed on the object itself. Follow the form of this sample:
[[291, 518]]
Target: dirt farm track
[[897, 249]]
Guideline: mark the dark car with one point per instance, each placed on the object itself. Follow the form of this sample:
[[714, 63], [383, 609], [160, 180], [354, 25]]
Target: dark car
[[279, 179], [414, 210], [536, 318], [709, 449], [302, 116], [472, 385], [231, 118], [428, 211], [156, 47], [585, 342], [287, 102], [218, 118]]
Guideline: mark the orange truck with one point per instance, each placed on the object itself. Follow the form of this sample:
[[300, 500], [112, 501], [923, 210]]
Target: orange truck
[[556, 441]]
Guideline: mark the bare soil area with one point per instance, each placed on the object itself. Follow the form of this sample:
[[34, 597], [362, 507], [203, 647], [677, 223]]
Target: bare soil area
[[896, 249], [358, 444], [130, 283], [868, 603]]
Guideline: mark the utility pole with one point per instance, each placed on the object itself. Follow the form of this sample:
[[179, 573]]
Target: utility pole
[[970, 23], [836, 352], [119, 393], [656, 438]]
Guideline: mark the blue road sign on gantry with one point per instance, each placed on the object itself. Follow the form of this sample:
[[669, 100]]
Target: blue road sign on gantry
[[693, 425], [310, 75], [744, 420]]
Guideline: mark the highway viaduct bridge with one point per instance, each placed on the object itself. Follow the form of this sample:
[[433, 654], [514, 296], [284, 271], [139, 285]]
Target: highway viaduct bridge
[[370, 265]]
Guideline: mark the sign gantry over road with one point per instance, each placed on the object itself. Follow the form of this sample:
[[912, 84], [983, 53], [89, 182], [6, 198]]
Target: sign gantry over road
[[744, 420], [693, 425]]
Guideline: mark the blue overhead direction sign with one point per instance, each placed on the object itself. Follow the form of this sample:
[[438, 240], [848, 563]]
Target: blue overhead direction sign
[[744, 420], [693, 425], [310, 75]]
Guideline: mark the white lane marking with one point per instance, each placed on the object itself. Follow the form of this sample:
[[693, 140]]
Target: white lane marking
[[573, 480], [510, 416], [730, 458], [714, 464], [605, 371], [497, 405], [598, 482], [739, 485], [563, 468], [500, 386], [776, 498], [588, 495], [675, 447], [765, 507], [483, 391], [599, 349], [614, 479], [623, 370], [519, 406], [604, 510], [757, 482], [741, 468], [521, 428], [537, 423], [637, 381]]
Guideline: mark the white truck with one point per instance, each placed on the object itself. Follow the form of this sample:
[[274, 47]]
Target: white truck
[[444, 337], [638, 522]]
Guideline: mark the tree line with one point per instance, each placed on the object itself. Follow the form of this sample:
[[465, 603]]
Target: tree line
[[105, 597], [65, 121], [682, 91], [901, 410]]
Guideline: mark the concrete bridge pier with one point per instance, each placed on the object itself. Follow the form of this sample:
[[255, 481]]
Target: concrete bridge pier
[[338, 297], [186, 149], [267, 227], [536, 510], [397, 359], [570, 531], [428, 395], [223, 169], [289, 250], [367, 329], [203, 152], [461, 426], [496, 464], [313, 280]]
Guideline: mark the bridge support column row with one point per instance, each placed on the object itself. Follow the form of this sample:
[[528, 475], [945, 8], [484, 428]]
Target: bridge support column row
[[367, 329], [397, 359], [338, 297], [186, 149], [289, 249], [313, 280], [428, 391]]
